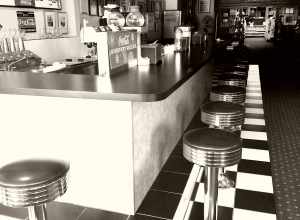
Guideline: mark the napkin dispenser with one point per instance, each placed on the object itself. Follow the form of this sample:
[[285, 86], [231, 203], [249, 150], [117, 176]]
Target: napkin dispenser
[[153, 51]]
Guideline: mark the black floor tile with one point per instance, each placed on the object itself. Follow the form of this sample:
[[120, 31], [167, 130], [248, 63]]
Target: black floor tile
[[170, 182], [178, 164], [247, 127], [255, 167], [197, 212], [13, 212], [178, 149], [95, 214], [250, 105], [66, 211], [144, 217], [258, 116], [159, 204], [256, 201], [255, 144]]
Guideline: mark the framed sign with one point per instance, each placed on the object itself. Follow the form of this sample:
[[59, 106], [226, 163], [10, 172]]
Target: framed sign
[[50, 22], [93, 7], [25, 3], [51, 4], [63, 22], [26, 21], [204, 6]]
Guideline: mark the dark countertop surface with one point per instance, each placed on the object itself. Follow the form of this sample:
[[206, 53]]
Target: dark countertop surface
[[143, 83]]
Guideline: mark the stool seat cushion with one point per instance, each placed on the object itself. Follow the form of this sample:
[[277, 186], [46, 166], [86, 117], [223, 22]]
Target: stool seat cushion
[[32, 182], [223, 108], [212, 147], [213, 140], [31, 172], [229, 90]]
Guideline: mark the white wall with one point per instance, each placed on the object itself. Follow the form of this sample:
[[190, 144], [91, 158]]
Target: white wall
[[49, 49]]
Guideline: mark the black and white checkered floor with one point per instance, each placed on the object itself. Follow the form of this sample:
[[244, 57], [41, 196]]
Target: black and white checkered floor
[[178, 193], [252, 197]]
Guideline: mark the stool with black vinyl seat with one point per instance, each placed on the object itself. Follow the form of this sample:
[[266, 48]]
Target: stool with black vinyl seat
[[32, 184], [213, 149], [227, 93], [223, 115]]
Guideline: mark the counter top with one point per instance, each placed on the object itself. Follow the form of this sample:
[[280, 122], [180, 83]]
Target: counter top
[[143, 83]]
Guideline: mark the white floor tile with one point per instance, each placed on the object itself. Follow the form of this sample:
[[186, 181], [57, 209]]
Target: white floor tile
[[255, 154], [231, 168], [254, 101], [241, 214], [225, 196], [254, 182], [4, 217], [254, 121], [255, 110], [254, 135]]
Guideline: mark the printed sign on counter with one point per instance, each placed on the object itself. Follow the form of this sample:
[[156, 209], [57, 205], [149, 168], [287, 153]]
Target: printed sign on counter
[[122, 49], [26, 21]]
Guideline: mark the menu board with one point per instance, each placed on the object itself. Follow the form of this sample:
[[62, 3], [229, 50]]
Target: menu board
[[51, 4]]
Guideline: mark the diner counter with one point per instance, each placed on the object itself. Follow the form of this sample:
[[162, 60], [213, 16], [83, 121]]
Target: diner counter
[[141, 83]]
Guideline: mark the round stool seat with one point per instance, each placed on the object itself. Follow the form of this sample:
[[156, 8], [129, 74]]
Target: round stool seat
[[32, 182], [212, 147], [227, 93], [222, 114], [232, 80]]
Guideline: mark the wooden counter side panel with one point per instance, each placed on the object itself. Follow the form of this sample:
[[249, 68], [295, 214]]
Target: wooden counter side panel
[[158, 126]]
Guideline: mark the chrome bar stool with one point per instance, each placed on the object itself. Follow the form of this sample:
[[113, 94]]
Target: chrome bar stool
[[232, 80], [32, 184], [223, 115], [227, 93], [227, 116], [213, 149]]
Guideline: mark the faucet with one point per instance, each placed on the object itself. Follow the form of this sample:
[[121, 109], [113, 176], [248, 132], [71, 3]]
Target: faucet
[[11, 66]]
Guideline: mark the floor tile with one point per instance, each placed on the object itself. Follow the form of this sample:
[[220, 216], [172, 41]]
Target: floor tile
[[253, 101], [13, 212], [159, 204], [255, 154], [60, 210], [239, 214], [143, 217], [255, 135], [251, 115], [197, 213], [256, 201], [254, 110], [254, 128], [178, 164], [254, 121], [250, 105], [254, 182], [255, 144], [95, 214], [170, 182], [255, 167]]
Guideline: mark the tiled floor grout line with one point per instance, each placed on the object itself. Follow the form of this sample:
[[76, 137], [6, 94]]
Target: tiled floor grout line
[[153, 216], [81, 213], [164, 191]]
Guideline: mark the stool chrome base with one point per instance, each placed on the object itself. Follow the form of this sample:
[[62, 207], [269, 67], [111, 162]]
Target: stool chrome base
[[211, 193]]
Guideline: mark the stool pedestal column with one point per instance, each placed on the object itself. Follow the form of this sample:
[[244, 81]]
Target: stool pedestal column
[[211, 193], [37, 212]]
